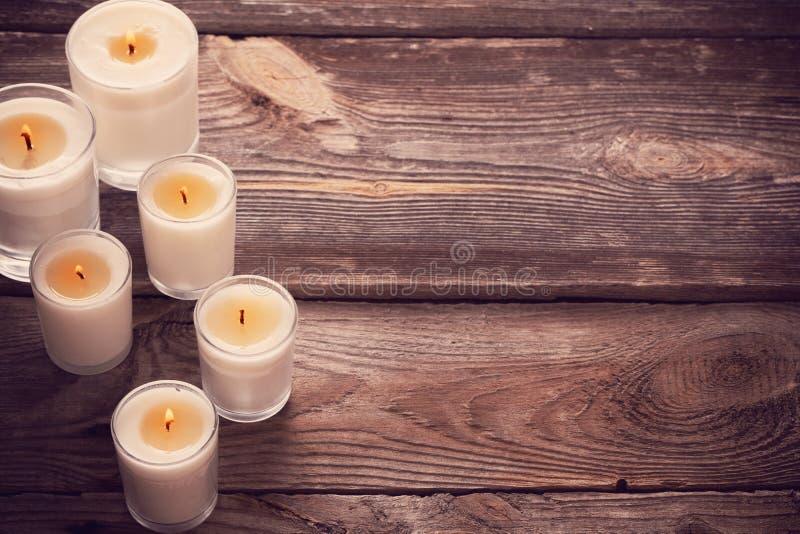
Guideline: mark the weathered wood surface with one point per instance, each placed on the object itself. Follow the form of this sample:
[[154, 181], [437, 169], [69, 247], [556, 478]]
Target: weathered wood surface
[[657, 170], [398, 398], [702, 512], [450, 18]]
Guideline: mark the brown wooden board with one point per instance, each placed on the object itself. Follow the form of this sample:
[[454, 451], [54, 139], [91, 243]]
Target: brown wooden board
[[761, 511], [450, 18], [408, 398], [496, 168]]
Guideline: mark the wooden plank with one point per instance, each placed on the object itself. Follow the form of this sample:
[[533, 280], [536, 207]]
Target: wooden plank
[[528, 169], [398, 398], [450, 18], [761, 511]]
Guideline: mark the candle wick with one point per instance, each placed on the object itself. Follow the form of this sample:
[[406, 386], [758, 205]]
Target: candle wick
[[130, 37], [169, 418], [241, 316], [27, 135], [79, 272], [183, 190]]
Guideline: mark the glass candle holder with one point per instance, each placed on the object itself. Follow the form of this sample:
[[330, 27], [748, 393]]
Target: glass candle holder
[[135, 63], [47, 174], [166, 437], [81, 282], [246, 328], [187, 210]]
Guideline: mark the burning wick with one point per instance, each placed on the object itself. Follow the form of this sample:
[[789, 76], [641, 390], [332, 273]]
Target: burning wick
[[26, 133], [79, 272], [130, 38], [241, 316], [169, 418], [184, 191]]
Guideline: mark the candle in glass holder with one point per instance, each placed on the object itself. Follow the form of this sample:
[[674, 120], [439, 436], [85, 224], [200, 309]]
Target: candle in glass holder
[[187, 210], [81, 282], [135, 63], [245, 335], [47, 176], [166, 437]]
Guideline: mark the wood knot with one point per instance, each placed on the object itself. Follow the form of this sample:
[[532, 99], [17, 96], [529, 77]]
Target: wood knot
[[693, 525], [721, 372], [656, 157], [268, 67], [709, 392]]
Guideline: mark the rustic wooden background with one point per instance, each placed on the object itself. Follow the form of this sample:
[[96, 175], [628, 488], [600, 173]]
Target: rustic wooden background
[[628, 175]]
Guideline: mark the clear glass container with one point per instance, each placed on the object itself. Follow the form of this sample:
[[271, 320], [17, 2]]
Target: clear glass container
[[174, 491], [249, 382], [61, 194], [186, 255], [91, 335]]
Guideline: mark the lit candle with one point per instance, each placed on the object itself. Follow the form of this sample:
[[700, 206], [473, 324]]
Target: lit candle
[[47, 178], [166, 435], [135, 63], [187, 209], [81, 282], [245, 335]]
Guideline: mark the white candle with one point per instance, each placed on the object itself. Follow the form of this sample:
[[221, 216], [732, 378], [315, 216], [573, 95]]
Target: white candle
[[166, 436], [47, 178], [245, 335], [135, 63], [187, 209], [81, 282]]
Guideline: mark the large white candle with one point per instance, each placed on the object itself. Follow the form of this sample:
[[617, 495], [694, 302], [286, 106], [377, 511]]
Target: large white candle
[[81, 282], [187, 209], [135, 63], [166, 436], [245, 335], [47, 177]]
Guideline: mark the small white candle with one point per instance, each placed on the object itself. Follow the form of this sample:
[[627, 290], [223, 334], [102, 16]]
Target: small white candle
[[135, 63], [81, 282], [166, 436], [187, 210], [47, 178], [245, 335]]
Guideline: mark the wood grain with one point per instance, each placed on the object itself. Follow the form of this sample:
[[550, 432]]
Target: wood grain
[[656, 170], [450, 18], [706, 512], [422, 398]]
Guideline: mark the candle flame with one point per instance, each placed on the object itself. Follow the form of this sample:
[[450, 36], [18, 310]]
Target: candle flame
[[184, 191], [79, 271], [130, 38], [169, 418], [241, 316], [26, 133]]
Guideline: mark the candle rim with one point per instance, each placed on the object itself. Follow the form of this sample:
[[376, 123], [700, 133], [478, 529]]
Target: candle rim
[[130, 87], [158, 384], [102, 297], [72, 100], [255, 349], [153, 172]]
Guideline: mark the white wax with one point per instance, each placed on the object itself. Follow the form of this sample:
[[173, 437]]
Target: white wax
[[147, 110], [59, 195], [91, 335], [255, 379], [188, 255], [166, 487]]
